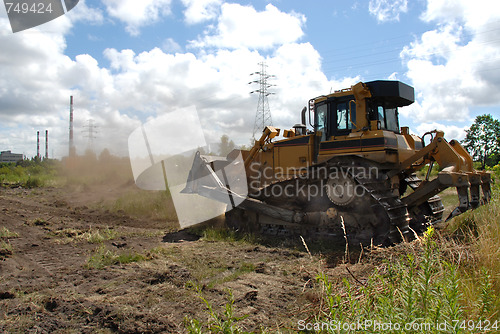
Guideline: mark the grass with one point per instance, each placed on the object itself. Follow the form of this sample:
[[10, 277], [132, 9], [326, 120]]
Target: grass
[[103, 257], [420, 288], [206, 269], [93, 236], [479, 233], [5, 246], [5, 233], [224, 235], [5, 249], [441, 283], [232, 274], [219, 322], [444, 282], [144, 203], [29, 174]]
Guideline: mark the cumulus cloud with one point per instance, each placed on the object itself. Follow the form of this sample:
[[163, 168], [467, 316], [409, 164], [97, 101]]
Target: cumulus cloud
[[170, 45], [456, 65], [451, 131], [37, 79], [136, 14], [387, 10], [243, 26], [198, 11], [86, 14]]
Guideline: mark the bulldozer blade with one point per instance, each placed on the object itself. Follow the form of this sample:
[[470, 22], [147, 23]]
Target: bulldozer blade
[[189, 188], [197, 171]]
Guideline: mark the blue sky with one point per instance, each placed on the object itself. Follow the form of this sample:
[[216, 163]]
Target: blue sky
[[128, 61]]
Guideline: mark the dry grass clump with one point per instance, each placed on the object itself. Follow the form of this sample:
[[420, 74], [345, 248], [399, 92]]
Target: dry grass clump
[[90, 235]]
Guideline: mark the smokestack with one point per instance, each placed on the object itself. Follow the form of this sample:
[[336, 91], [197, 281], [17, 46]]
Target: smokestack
[[38, 144], [46, 144], [71, 143]]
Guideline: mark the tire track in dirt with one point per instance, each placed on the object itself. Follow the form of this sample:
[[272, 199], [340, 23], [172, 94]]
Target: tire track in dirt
[[56, 261]]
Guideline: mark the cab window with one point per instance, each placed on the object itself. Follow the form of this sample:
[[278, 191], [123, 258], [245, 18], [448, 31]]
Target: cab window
[[321, 112], [388, 118], [342, 116], [391, 119]]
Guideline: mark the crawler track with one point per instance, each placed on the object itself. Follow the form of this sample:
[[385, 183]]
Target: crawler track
[[374, 213]]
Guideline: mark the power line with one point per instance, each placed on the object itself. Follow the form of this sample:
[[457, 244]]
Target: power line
[[332, 59]]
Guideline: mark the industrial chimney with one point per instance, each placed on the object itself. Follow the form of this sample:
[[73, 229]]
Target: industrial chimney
[[72, 151], [38, 144], [46, 144]]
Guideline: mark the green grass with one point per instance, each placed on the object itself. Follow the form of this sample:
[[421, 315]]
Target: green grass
[[144, 203], [421, 288], [224, 322], [224, 234], [441, 279], [103, 257], [29, 174], [478, 232], [5, 233], [5, 249], [5, 246], [232, 275]]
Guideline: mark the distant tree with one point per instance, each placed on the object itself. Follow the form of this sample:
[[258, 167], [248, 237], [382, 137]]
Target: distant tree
[[90, 155], [226, 145], [483, 140], [105, 155]]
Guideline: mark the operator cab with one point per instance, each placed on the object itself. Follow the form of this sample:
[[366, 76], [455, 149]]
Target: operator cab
[[336, 114], [333, 117]]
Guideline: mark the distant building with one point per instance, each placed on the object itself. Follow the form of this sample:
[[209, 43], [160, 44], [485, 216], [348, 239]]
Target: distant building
[[8, 156]]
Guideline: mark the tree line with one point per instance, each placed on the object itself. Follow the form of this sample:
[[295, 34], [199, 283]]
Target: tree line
[[482, 140]]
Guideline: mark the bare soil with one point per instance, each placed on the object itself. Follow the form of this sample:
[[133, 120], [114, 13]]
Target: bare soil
[[47, 285]]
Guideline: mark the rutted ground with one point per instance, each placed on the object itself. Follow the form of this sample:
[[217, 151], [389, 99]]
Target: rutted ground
[[63, 272]]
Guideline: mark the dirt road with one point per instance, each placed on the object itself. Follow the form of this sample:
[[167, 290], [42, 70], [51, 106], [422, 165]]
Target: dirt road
[[69, 266]]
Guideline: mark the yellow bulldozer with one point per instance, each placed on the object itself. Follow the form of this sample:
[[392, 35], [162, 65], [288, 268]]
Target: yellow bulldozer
[[352, 174]]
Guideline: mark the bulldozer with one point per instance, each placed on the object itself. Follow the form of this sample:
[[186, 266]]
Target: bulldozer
[[351, 174]]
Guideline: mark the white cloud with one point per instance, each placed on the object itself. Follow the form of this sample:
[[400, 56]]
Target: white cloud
[[387, 10], [455, 66], [198, 11], [242, 26], [170, 45], [37, 78], [84, 13], [450, 131], [136, 14]]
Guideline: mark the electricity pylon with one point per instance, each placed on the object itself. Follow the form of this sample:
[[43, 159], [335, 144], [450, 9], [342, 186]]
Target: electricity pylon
[[263, 115]]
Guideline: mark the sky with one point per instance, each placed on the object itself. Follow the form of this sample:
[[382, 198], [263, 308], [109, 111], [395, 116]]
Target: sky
[[127, 62]]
